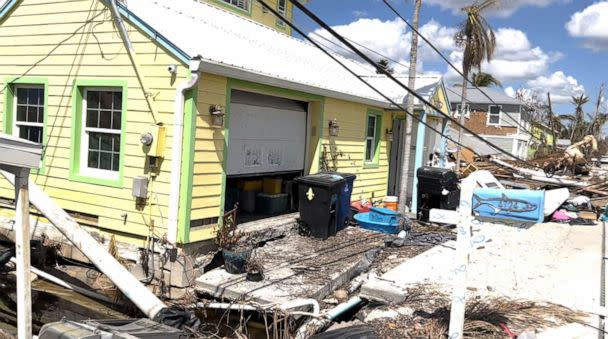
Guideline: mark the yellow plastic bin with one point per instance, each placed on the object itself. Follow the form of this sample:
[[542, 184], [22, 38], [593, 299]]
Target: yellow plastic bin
[[391, 202], [272, 185]]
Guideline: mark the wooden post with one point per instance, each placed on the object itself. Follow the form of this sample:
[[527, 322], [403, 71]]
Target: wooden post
[[461, 266], [22, 253]]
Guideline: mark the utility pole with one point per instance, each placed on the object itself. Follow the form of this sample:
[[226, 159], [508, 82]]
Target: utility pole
[[551, 120], [406, 140], [600, 95]]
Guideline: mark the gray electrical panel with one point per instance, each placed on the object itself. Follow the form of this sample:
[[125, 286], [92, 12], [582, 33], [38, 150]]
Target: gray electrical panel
[[140, 187]]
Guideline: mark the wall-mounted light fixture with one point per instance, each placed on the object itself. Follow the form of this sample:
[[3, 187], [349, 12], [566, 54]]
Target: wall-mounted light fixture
[[334, 128], [217, 115], [389, 134]]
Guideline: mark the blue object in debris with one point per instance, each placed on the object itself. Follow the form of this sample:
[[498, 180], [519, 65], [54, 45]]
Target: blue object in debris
[[380, 220], [525, 205]]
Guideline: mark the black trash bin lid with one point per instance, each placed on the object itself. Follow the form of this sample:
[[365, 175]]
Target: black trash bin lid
[[321, 180], [346, 176]]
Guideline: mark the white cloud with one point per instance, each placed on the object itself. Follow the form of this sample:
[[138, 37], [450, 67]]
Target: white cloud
[[561, 86], [502, 8], [516, 58], [510, 91], [359, 13], [591, 25]]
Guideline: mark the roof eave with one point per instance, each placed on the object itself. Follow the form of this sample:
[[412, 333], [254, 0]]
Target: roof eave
[[243, 74]]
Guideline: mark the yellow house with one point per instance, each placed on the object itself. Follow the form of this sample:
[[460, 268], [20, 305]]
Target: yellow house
[[542, 139], [255, 11], [152, 130]]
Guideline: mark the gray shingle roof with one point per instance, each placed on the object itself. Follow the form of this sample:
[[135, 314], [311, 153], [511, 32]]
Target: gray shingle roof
[[474, 95]]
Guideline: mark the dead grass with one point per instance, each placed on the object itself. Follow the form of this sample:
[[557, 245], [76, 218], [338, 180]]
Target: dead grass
[[483, 317]]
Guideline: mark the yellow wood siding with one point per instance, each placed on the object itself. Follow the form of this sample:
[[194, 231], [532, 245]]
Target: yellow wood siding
[[208, 150], [349, 145], [64, 41], [259, 14]]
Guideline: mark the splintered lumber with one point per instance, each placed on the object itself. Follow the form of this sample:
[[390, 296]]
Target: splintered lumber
[[540, 175], [132, 288]]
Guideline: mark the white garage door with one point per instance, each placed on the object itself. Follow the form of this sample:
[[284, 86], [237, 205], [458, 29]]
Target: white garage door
[[267, 134]]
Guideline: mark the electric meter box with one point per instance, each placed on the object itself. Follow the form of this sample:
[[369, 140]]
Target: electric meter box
[[157, 147]]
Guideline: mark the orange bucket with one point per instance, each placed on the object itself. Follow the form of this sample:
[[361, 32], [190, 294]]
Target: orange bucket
[[391, 202]]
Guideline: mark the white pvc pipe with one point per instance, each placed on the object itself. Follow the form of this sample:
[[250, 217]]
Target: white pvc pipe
[[134, 290], [176, 149], [302, 302]]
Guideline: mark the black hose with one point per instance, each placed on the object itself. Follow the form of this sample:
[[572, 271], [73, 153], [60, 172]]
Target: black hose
[[6, 255]]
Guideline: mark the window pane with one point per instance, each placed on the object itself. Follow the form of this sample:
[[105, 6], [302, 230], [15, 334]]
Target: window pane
[[116, 139], [105, 119], [92, 118], [371, 126], [31, 133], [22, 96], [21, 113], [32, 114], [105, 161], [93, 160], [94, 141], [495, 110], [105, 100], [116, 123], [117, 100], [115, 162], [92, 99], [106, 143], [40, 96], [40, 114], [32, 96], [494, 119], [368, 150]]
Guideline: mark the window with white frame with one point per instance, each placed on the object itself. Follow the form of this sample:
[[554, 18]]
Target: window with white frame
[[242, 4], [494, 115], [467, 111], [282, 9], [101, 132], [28, 121], [370, 138]]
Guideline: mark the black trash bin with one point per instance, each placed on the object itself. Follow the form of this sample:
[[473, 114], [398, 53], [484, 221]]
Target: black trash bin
[[437, 188], [319, 198]]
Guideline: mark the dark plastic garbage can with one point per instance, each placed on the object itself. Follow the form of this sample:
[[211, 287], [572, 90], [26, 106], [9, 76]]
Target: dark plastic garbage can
[[345, 194], [319, 201]]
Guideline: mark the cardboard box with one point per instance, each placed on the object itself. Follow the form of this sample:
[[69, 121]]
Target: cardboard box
[[587, 215]]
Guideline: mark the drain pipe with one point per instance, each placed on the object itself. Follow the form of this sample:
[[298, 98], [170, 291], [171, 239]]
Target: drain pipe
[[315, 325], [176, 149]]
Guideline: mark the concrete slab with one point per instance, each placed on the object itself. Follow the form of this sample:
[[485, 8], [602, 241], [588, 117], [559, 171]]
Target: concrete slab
[[296, 267], [548, 262]]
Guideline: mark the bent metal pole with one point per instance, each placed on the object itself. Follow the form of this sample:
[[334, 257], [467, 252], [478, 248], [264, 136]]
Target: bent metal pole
[[143, 298]]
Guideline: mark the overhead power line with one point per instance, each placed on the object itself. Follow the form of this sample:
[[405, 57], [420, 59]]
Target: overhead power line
[[392, 8], [390, 76], [334, 58]]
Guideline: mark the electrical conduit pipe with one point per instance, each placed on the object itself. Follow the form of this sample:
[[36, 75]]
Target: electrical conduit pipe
[[176, 148]]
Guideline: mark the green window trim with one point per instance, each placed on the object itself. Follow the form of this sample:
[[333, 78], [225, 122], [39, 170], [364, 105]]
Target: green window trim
[[7, 121], [77, 116], [375, 163], [234, 9]]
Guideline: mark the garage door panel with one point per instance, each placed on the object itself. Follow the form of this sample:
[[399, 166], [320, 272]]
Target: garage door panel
[[266, 139]]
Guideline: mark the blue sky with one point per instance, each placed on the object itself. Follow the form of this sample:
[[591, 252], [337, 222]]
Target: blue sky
[[543, 45]]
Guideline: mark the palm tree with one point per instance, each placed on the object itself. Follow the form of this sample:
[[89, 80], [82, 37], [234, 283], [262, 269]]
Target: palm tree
[[578, 124], [479, 42], [406, 141], [482, 79]]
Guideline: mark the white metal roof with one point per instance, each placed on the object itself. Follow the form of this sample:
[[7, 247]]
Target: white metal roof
[[237, 47], [476, 96], [425, 86]]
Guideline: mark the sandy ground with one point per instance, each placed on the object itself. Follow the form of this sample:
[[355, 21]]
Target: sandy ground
[[548, 262]]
